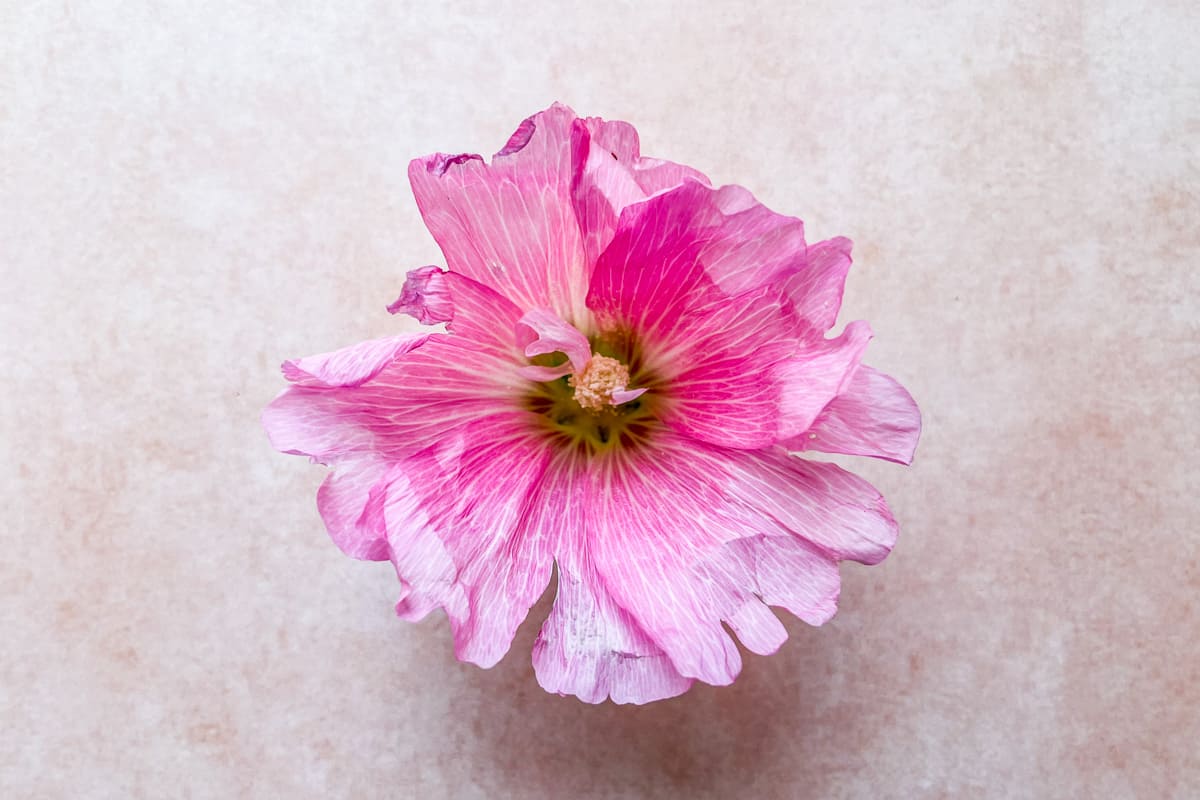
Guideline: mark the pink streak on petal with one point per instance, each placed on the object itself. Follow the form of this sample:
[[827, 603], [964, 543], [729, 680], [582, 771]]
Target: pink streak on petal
[[510, 223], [352, 365], [874, 416], [425, 297], [810, 381], [555, 336]]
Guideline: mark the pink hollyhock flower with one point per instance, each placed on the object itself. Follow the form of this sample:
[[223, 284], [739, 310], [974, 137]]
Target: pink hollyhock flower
[[632, 359]]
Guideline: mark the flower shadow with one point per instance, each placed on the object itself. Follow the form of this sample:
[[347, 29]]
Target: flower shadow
[[712, 741]]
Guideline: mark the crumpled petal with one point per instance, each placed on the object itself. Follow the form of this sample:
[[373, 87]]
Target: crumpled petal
[[425, 297]]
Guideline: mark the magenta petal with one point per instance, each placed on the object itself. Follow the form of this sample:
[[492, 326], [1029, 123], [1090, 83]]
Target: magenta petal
[[723, 389], [351, 366], [874, 416], [510, 223]]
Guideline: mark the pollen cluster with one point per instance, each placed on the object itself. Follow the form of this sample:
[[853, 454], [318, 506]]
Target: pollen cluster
[[594, 386]]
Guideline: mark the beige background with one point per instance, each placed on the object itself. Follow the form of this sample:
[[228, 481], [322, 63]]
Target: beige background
[[191, 193]]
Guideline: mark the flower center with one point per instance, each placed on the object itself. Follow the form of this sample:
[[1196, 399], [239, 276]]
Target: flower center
[[591, 410], [595, 385]]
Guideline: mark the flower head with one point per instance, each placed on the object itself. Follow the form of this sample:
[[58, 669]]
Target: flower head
[[631, 361]]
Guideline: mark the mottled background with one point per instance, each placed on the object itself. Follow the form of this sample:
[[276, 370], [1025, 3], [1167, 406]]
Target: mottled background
[[191, 193]]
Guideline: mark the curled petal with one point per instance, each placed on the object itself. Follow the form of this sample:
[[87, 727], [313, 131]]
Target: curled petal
[[552, 335], [425, 297], [351, 366]]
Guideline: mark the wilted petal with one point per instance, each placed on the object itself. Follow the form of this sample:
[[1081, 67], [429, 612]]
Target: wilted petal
[[425, 297]]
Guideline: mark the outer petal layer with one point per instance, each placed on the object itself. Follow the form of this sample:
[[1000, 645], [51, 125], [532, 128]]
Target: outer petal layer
[[874, 416], [510, 224]]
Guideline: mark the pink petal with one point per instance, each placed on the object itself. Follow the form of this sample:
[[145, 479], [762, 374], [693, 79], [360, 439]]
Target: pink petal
[[839, 512], [588, 646], [418, 396], [651, 274], [510, 224], [473, 493], [610, 174], [552, 335], [352, 365], [816, 290], [811, 380], [722, 387], [425, 297], [341, 501], [790, 572], [873, 416]]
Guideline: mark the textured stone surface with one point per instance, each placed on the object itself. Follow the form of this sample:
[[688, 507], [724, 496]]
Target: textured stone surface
[[192, 193]]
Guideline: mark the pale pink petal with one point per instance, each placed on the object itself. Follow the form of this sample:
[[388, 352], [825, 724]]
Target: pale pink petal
[[588, 646], [473, 492], [789, 572], [811, 380], [341, 501], [425, 297], [417, 396], [839, 512], [816, 290], [352, 365], [873, 416], [510, 224], [758, 247], [552, 335], [625, 395]]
